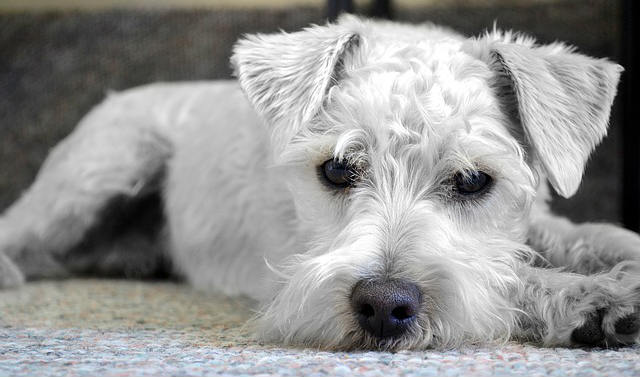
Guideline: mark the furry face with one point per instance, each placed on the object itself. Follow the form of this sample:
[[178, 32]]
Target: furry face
[[408, 112], [383, 187], [407, 125]]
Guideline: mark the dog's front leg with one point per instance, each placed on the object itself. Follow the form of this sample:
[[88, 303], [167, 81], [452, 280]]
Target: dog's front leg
[[565, 309], [586, 248]]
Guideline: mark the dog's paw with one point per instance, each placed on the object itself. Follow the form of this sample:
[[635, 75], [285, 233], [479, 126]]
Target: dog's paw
[[628, 325], [601, 311], [10, 275], [591, 331], [603, 329]]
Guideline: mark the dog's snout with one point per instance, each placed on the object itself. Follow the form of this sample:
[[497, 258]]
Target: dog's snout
[[385, 308]]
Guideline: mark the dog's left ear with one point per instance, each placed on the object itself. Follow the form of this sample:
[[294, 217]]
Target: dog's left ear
[[563, 101], [286, 76]]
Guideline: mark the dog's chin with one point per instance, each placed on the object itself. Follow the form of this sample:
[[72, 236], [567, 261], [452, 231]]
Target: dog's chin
[[414, 339], [333, 326], [341, 334], [355, 340]]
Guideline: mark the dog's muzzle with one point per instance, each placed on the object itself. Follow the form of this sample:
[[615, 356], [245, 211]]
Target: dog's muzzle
[[385, 308]]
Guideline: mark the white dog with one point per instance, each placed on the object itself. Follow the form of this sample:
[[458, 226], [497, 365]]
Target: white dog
[[374, 185]]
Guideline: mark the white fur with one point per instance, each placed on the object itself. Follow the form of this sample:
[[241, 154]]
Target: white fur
[[410, 106]]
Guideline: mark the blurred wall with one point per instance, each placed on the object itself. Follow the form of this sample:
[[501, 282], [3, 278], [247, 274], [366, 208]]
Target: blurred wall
[[55, 64], [39, 5]]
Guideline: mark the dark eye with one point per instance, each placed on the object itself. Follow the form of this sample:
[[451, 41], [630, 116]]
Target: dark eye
[[472, 183], [337, 173]]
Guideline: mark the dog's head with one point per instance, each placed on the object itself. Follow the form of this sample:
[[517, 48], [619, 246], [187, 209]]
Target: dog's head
[[413, 155]]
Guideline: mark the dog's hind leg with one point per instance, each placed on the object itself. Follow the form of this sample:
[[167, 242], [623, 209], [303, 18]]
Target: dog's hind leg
[[10, 275], [114, 152]]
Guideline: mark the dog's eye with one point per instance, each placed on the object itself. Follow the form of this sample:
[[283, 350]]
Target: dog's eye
[[338, 173], [472, 183]]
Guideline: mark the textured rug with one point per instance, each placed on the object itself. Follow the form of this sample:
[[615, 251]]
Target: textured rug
[[123, 328]]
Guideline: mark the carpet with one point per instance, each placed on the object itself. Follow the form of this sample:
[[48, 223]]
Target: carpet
[[127, 328]]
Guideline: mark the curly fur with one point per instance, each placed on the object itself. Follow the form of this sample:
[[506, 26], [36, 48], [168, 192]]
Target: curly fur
[[408, 107]]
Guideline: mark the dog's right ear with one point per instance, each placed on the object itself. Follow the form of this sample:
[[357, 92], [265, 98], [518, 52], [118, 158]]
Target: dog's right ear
[[286, 76], [561, 98]]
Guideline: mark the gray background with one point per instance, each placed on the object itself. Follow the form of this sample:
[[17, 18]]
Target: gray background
[[55, 66]]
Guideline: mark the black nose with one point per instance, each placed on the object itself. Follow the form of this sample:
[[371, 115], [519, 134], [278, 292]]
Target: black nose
[[385, 308]]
